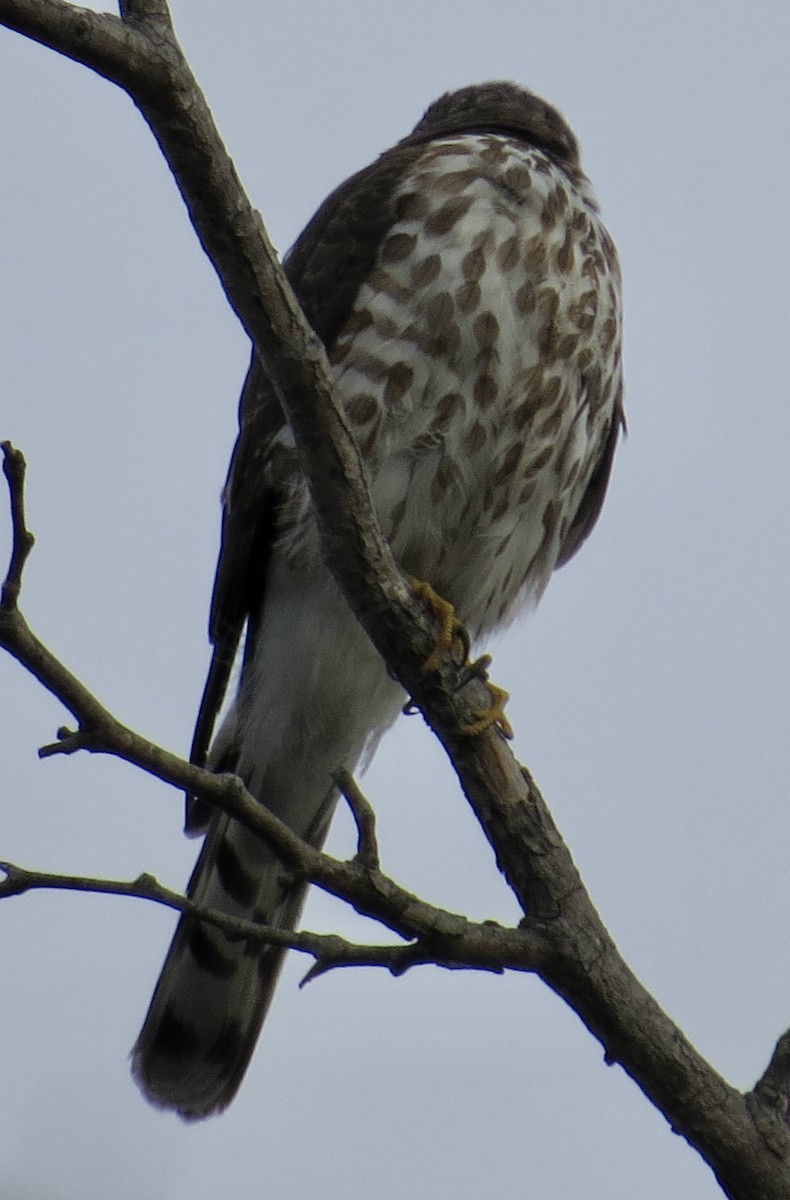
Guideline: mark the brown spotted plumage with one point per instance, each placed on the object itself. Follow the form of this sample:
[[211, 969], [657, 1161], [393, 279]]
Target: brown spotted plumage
[[468, 298]]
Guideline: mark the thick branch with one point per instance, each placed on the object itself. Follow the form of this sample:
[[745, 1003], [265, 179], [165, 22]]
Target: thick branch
[[98, 40], [233, 235]]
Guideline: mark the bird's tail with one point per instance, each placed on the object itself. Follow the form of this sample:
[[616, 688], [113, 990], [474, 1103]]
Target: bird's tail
[[331, 700], [214, 991]]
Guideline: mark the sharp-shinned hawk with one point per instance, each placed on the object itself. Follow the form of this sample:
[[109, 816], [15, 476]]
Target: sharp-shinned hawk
[[468, 297]]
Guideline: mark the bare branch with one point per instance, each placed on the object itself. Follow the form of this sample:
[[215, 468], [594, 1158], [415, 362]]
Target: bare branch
[[364, 818], [22, 540], [98, 40], [452, 942], [158, 78], [397, 959], [69, 742], [448, 936], [329, 950]]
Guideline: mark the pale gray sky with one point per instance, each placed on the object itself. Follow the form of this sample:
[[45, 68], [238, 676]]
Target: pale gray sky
[[650, 691]]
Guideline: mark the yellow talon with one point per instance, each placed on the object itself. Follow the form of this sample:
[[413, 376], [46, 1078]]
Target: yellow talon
[[495, 715], [452, 633]]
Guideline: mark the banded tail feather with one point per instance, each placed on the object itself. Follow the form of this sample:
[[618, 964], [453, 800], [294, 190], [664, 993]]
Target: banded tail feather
[[214, 990]]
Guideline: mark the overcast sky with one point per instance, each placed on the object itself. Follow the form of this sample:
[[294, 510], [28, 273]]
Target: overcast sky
[[649, 692]]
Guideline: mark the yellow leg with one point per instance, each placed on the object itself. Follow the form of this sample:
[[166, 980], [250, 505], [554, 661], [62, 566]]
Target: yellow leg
[[495, 715], [452, 633], [453, 636]]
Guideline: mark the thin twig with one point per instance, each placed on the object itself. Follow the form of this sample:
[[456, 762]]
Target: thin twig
[[451, 938], [69, 741], [398, 961], [364, 818], [22, 540], [329, 950]]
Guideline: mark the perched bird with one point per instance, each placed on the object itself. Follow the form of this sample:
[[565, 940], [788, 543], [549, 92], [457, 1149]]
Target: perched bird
[[468, 297]]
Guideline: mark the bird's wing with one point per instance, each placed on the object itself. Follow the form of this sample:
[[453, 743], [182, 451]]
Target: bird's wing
[[591, 503], [326, 268]]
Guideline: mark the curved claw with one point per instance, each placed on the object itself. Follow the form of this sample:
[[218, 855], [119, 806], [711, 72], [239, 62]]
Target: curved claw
[[453, 636], [495, 715], [452, 632]]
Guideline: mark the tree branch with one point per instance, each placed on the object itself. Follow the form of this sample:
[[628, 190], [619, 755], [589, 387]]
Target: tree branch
[[328, 949], [22, 540], [100, 41], [233, 236], [156, 75], [451, 937], [364, 818]]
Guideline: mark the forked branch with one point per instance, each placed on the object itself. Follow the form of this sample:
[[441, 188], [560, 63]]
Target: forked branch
[[328, 949], [435, 935]]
